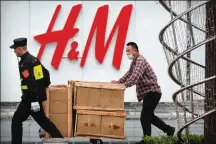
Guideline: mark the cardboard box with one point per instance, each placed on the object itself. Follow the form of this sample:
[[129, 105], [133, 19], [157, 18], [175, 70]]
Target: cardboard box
[[59, 108], [100, 124], [98, 96], [71, 82], [61, 122]]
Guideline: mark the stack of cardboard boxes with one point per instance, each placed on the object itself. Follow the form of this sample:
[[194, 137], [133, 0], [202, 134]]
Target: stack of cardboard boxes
[[96, 109], [100, 109], [59, 108]]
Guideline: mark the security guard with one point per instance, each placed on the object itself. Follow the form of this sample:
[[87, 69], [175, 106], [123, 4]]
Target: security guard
[[34, 80]]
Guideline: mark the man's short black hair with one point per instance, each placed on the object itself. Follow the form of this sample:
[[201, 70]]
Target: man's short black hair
[[134, 45]]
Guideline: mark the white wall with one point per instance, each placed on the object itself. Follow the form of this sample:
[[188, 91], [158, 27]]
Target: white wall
[[30, 18]]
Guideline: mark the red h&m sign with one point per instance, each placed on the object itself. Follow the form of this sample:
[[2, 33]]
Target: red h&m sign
[[99, 25]]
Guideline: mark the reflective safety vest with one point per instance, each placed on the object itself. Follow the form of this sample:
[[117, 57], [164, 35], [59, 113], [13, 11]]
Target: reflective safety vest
[[38, 74]]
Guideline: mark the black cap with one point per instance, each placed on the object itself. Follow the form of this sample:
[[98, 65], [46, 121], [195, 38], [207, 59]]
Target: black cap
[[19, 42]]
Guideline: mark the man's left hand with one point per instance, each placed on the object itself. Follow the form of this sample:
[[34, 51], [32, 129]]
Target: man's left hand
[[35, 106]]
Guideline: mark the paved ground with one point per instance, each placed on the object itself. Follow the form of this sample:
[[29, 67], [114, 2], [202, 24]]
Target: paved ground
[[133, 130]]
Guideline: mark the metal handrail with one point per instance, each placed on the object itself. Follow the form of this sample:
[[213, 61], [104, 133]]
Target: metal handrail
[[193, 121], [178, 17], [182, 19], [185, 52], [187, 87]]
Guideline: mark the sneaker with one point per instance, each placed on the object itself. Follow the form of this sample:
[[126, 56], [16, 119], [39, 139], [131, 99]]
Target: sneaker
[[171, 132], [140, 142]]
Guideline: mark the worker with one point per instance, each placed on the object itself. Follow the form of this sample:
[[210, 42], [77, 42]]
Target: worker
[[34, 80], [148, 90]]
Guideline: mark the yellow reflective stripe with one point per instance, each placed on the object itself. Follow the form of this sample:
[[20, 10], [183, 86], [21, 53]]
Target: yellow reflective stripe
[[24, 87], [38, 72]]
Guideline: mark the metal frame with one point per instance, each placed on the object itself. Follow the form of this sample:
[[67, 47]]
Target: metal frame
[[177, 56]]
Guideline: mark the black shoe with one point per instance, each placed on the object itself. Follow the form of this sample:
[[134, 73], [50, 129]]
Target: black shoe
[[140, 142], [171, 132], [41, 133]]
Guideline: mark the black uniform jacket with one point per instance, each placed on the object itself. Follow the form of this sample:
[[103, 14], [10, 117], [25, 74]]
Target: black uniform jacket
[[31, 75]]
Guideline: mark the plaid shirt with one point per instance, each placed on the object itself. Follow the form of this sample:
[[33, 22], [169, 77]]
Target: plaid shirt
[[141, 74]]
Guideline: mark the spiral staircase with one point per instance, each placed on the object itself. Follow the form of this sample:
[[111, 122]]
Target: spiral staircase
[[185, 40]]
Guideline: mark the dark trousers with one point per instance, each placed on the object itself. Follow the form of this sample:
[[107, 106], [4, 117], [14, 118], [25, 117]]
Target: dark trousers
[[22, 113], [147, 114]]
